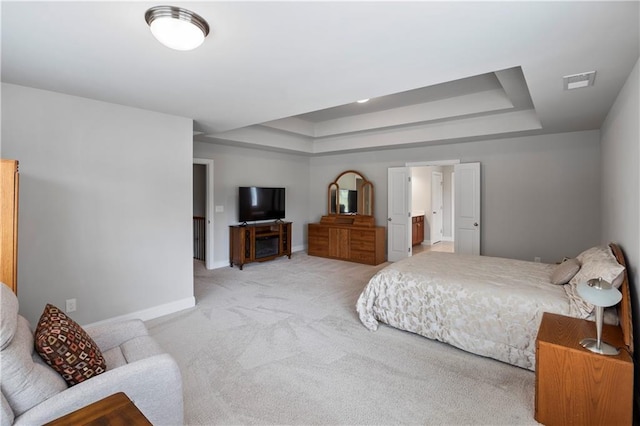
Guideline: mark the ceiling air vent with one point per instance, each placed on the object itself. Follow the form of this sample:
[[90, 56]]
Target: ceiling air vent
[[577, 81]]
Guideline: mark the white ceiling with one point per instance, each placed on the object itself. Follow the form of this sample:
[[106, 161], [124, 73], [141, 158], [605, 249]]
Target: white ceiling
[[285, 75]]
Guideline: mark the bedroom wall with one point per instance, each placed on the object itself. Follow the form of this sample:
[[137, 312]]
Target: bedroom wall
[[621, 188], [234, 167], [526, 211], [105, 205]]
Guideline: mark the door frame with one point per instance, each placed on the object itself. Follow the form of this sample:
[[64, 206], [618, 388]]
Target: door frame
[[209, 223]]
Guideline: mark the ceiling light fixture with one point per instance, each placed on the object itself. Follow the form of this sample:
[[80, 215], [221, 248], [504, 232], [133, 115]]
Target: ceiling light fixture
[[361, 101], [176, 28]]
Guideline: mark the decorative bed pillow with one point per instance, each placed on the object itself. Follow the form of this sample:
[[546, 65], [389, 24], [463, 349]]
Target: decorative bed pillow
[[599, 262], [565, 271], [67, 348]]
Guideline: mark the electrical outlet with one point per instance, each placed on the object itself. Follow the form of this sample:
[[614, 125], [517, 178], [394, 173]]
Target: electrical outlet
[[536, 259], [71, 305]]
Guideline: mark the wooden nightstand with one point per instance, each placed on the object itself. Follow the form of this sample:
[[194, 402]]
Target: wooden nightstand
[[575, 386]]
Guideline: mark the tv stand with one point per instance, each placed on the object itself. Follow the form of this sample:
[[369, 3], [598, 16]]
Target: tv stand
[[259, 242]]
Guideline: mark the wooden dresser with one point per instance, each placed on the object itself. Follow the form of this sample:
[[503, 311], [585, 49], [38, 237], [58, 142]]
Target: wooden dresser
[[9, 223], [347, 237]]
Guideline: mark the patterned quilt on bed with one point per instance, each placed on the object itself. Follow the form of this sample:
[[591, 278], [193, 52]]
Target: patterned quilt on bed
[[485, 305]]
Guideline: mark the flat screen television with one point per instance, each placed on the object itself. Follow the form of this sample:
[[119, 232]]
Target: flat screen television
[[259, 203]]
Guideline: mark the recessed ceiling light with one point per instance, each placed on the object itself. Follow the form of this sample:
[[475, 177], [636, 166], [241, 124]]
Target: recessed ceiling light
[[176, 28], [576, 81], [361, 101]]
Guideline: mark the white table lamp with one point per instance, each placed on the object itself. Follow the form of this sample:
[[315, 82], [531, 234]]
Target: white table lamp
[[601, 294]]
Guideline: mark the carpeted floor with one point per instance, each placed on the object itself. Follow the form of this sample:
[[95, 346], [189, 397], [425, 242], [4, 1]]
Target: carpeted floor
[[281, 343]]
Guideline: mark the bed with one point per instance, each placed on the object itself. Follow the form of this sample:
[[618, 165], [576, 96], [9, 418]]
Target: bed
[[487, 305]]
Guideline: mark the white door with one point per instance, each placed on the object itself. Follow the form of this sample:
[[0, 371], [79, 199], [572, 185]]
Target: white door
[[436, 207], [399, 215], [467, 208]]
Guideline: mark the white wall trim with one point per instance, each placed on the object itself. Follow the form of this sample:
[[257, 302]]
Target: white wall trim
[[432, 163], [151, 313]]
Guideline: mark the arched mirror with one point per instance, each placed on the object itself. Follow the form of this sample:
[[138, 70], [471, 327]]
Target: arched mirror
[[350, 194]]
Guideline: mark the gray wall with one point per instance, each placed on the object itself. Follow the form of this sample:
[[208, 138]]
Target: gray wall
[[234, 167], [540, 194], [105, 204], [621, 187]]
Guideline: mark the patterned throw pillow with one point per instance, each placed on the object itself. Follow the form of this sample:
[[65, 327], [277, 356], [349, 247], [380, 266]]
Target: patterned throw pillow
[[67, 348]]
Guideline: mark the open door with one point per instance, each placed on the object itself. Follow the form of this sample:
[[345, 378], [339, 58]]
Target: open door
[[436, 208], [399, 214], [467, 208]]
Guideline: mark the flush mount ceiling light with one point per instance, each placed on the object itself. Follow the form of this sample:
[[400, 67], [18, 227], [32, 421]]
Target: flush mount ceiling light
[[176, 28], [361, 101]]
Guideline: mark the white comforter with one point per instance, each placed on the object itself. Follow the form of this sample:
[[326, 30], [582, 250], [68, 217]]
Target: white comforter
[[485, 305]]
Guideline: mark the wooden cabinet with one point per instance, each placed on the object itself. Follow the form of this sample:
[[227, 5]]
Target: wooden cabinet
[[9, 179], [575, 386], [417, 230], [347, 238], [259, 242], [116, 409]]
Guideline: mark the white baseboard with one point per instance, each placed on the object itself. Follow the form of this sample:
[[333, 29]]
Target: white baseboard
[[448, 239], [151, 313]]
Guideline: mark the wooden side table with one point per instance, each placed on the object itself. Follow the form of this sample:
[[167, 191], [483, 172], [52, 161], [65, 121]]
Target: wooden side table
[[575, 386], [114, 410]]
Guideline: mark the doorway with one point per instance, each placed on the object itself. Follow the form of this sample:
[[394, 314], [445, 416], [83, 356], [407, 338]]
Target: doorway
[[432, 196], [203, 210], [461, 207]]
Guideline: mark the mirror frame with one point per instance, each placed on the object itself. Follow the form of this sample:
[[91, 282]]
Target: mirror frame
[[333, 191]]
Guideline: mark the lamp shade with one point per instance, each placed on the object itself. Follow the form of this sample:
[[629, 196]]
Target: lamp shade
[[598, 292], [177, 28]]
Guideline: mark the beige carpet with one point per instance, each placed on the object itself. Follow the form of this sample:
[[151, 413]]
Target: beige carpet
[[281, 343]]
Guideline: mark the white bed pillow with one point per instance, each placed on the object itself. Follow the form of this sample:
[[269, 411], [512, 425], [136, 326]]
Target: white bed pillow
[[599, 262], [563, 273]]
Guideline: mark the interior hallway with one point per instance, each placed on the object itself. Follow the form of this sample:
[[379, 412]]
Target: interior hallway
[[442, 246]]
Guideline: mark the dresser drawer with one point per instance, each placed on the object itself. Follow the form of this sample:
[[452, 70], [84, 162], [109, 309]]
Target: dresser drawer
[[318, 248], [318, 232], [362, 245], [368, 257], [362, 235]]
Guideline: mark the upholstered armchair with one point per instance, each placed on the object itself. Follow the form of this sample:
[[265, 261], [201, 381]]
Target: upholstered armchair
[[34, 393]]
